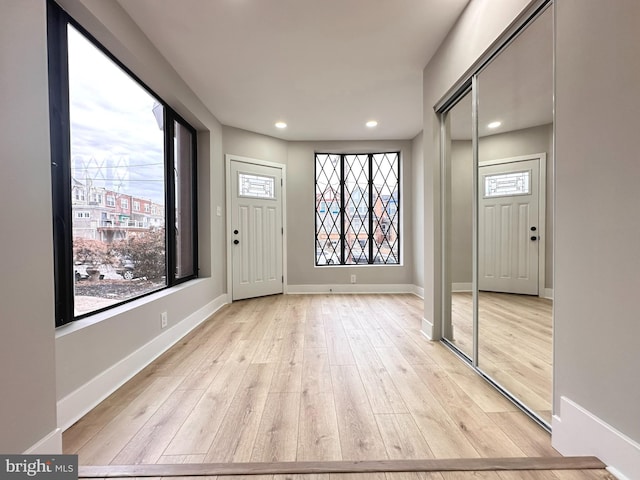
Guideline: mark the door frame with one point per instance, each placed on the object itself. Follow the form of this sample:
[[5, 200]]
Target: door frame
[[542, 206], [229, 251]]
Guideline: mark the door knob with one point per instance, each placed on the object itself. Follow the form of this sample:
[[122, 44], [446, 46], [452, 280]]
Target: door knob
[[235, 242], [533, 229], [235, 232], [534, 238]]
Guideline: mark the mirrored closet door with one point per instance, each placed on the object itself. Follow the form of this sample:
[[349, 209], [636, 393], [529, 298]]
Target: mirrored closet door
[[497, 135]]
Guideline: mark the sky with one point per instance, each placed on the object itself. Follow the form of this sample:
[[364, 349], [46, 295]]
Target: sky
[[112, 118]]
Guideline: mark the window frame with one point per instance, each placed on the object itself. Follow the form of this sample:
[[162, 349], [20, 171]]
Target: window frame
[[61, 181], [347, 208]]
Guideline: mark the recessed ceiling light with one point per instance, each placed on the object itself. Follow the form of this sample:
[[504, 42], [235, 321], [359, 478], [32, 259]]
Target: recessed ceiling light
[[494, 124], [281, 125], [371, 123]]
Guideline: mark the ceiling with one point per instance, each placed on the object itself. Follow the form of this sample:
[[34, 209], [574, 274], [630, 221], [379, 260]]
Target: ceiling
[[516, 88], [325, 67]]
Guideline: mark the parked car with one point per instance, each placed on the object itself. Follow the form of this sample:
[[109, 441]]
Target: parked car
[[126, 269]]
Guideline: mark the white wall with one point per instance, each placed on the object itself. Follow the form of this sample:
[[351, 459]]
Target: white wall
[[417, 210], [85, 350], [597, 319], [27, 375], [254, 145]]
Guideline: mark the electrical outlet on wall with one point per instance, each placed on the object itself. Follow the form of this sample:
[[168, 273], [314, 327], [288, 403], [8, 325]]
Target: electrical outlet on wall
[[163, 320], [353, 279]]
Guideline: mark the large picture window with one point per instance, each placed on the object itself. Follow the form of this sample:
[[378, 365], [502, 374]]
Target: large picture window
[[123, 170], [357, 209]]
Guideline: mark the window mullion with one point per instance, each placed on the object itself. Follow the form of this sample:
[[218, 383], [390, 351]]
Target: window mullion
[[342, 212], [370, 183], [170, 198]]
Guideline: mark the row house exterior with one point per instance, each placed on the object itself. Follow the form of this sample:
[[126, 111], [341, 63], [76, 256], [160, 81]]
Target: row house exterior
[[108, 216]]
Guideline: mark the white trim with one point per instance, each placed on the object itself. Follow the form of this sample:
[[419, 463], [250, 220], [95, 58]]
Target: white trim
[[427, 329], [458, 287], [229, 252], [51, 444], [548, 293], [577, 431], [351, 288], [79, 402], [418, 291]]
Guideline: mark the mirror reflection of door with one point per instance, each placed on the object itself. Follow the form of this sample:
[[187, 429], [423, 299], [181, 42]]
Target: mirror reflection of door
[[508, 227], [515, 119]]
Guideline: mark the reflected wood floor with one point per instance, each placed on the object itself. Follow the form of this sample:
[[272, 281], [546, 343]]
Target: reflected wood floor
[[515, 343], [306, 378]]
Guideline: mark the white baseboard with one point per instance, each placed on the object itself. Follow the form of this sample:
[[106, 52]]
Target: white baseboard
[[351, 288], [49, 445], [548, 293], [78, 403], [418, 291], [577, 431], [459, 287], [427, 329]]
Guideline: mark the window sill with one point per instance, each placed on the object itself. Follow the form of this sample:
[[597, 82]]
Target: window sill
[[91, 320]]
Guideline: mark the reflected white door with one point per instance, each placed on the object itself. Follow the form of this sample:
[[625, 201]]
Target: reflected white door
[[508, 227], [256, 230]]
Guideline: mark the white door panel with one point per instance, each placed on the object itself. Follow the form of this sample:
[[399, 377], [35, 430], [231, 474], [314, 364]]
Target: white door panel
[[256, 230], [508, 227]]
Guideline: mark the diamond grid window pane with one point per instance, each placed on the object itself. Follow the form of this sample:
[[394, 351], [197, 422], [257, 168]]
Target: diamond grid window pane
[[328, 202], [356, 218], [386, 205], [357, 209]]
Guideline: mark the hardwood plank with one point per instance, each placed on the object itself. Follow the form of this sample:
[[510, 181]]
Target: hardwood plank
[[316, 372], [235, 438], [483, 394], [358, 466], [359, 435], [318, 436], [287, 377], [201, 426], [338, 346], [486, 437], [381, 391], [402, 438], [277, 437], [531, 439], [444, 437], [108, 442], [148, 445]]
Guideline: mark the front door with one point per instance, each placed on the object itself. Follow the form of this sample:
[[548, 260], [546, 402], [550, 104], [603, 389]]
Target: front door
[[508, 227], [256, 229]]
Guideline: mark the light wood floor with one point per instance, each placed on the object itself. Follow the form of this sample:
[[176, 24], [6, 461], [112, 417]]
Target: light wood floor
[[310, 377], [515, 343]]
